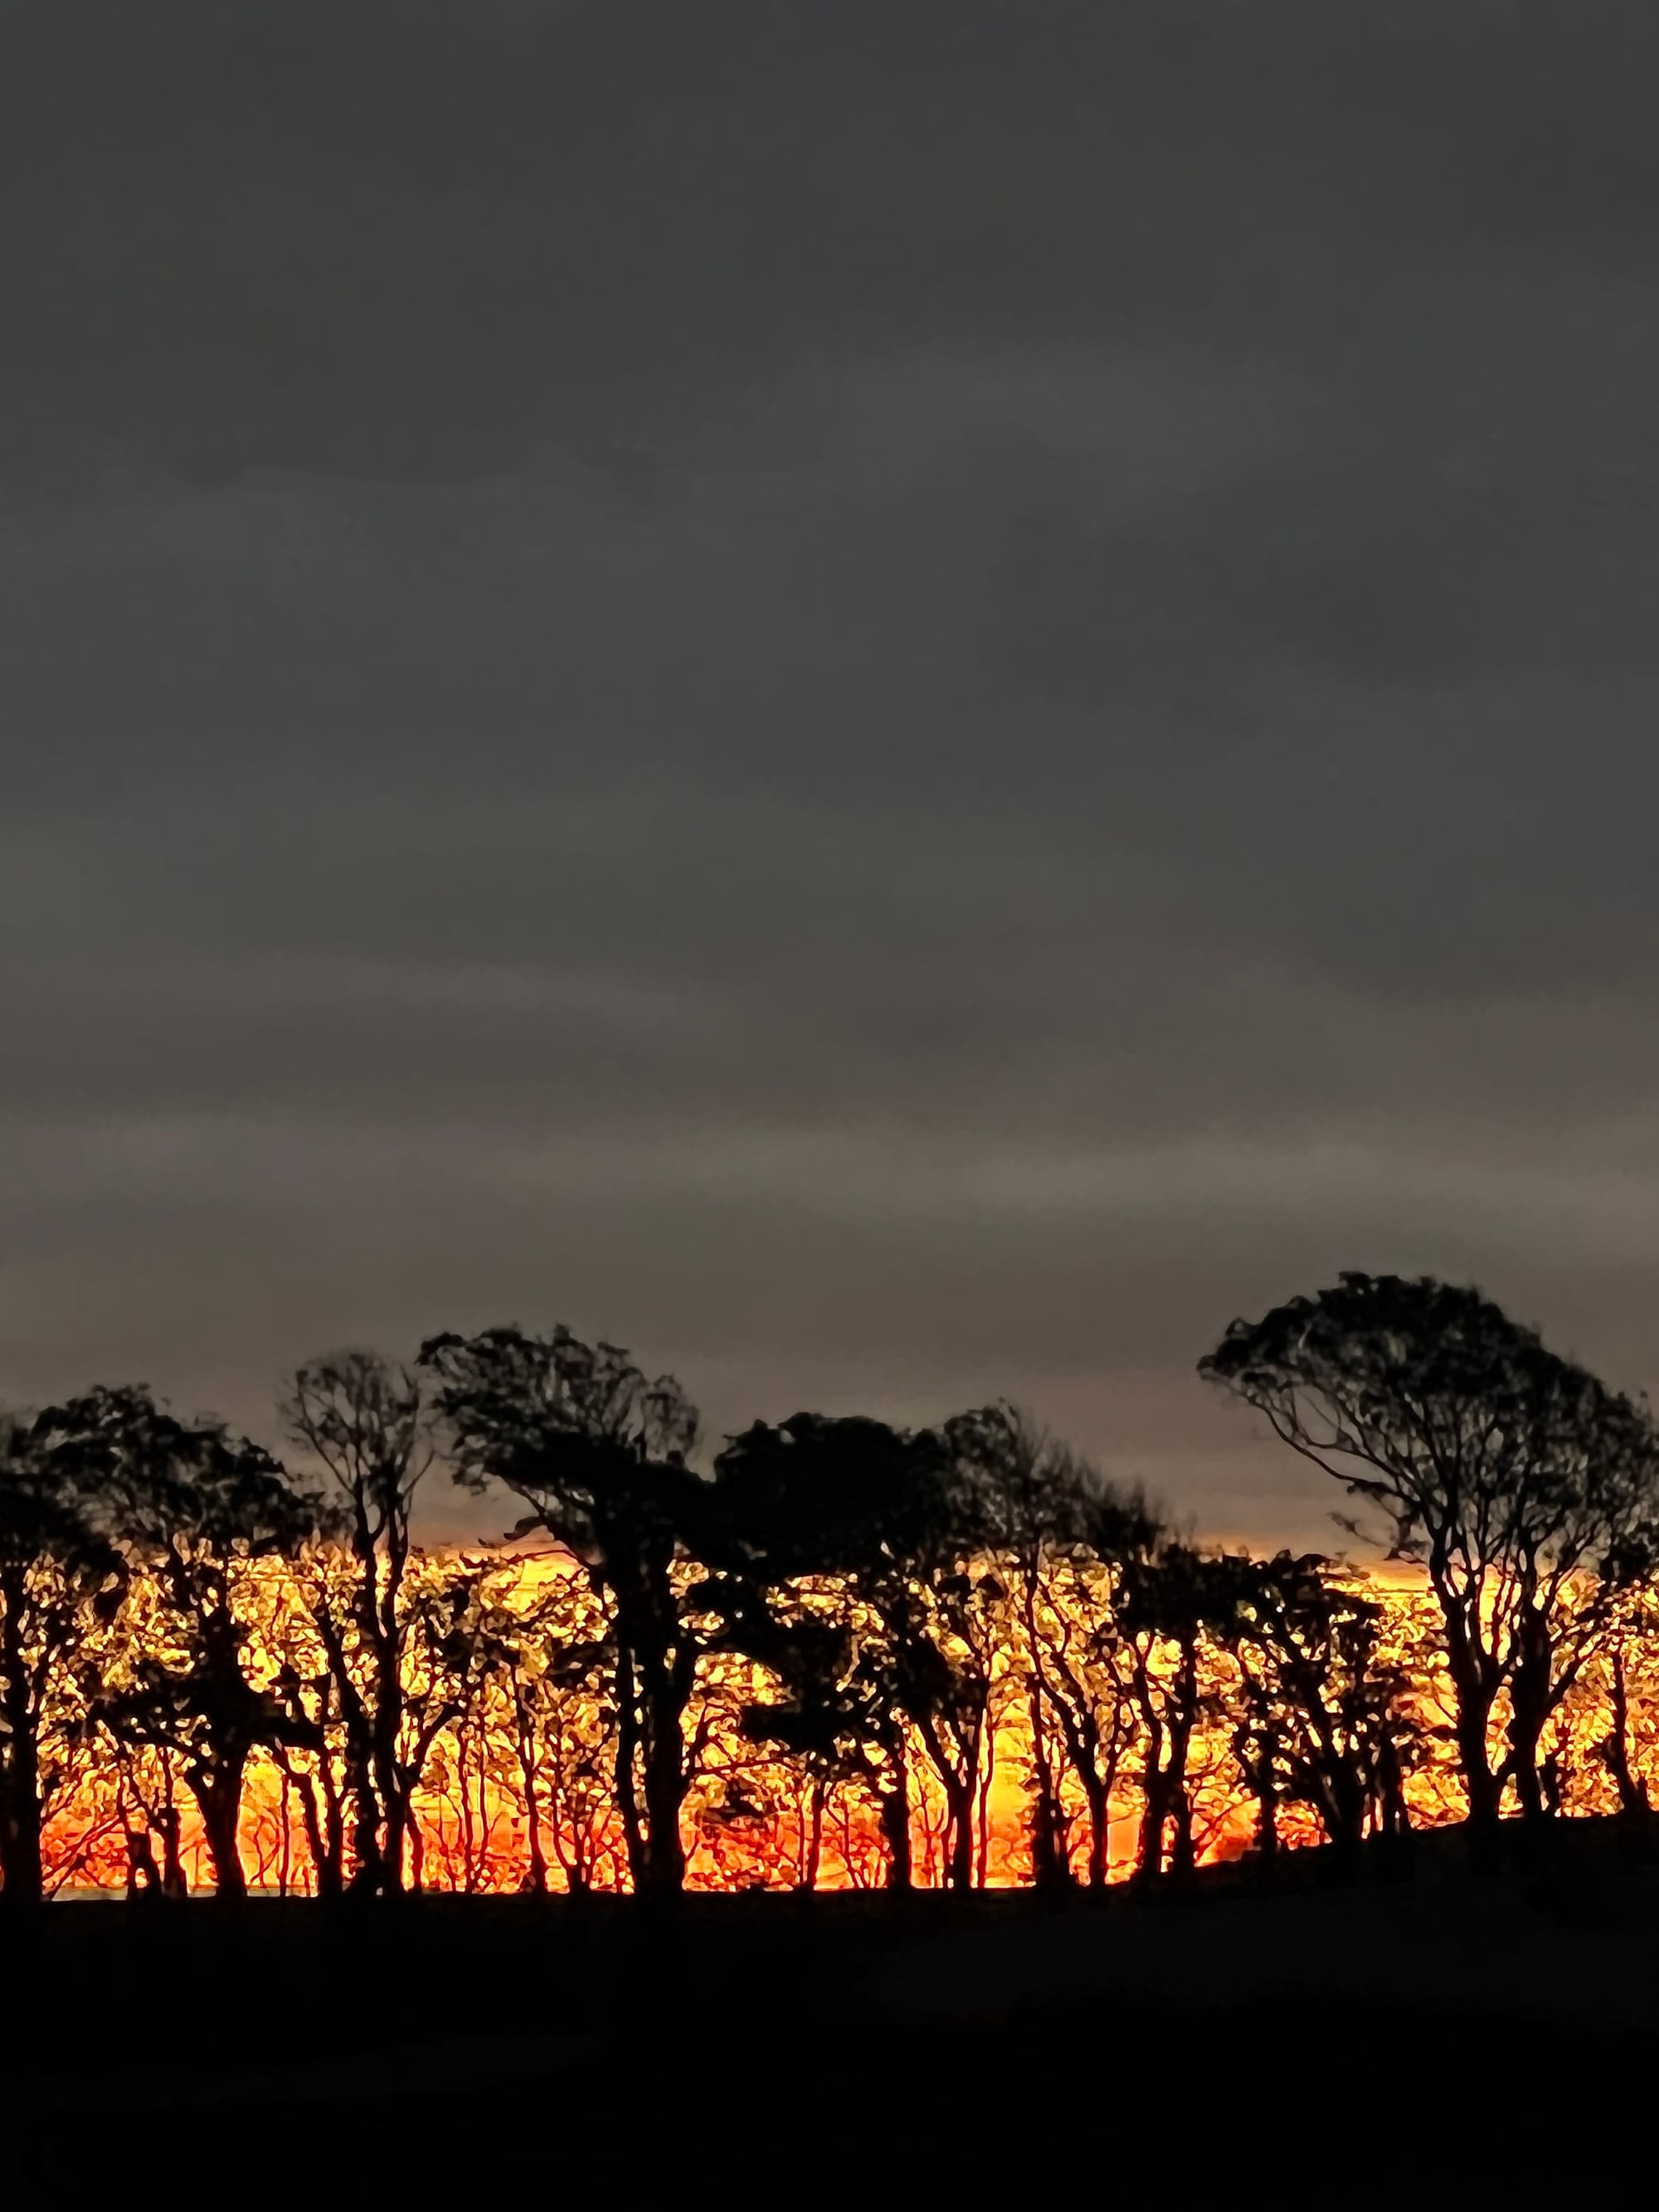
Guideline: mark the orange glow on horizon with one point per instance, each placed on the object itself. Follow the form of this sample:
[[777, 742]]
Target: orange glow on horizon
[[751, 1819]]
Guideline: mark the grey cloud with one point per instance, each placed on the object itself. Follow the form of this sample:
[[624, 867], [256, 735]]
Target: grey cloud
[[900, 700]]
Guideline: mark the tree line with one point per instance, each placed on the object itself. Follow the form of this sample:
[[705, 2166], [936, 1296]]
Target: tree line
[[953, 1654]]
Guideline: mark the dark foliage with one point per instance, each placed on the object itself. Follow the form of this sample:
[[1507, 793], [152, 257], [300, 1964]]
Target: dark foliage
[[187, 1500], [596, 1451], [1527, 1490]]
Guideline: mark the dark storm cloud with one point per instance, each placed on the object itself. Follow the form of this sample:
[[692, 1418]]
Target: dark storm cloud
[[900, 701]]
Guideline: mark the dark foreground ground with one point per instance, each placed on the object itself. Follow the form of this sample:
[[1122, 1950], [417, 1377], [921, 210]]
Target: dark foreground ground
[[1312, 2040]]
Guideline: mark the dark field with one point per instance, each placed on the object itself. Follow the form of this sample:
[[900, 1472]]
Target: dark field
[[447, 2042]]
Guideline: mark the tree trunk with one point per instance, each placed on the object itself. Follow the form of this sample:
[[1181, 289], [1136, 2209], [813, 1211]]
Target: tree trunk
[[1344, 1815], [1530, 1703], [896, 1825], [1183, 1856], [1154, 1818], [143, 1876], [1484, 1788], [1528, 1782], [388, 1639], [219, 1794], [1048, 1868], [959, 1865], [1393, 1815], [399, 1834], [1474, 1692], [1267, 1816], [1615, 1751], [325, 1863], [368, 1875], [812, 1856], [535, 1876], [174, 1884], [1167, 1796], [1100, 1829], [23, 1876], [23, 1881], [1048, 1864], [627, 1780], [665, 1793], [1485, 1841]]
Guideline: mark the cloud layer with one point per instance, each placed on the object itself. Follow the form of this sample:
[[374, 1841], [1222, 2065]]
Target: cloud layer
[[898, 700]]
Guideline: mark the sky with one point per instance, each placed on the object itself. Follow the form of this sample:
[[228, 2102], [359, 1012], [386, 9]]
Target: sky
[[898, 700]]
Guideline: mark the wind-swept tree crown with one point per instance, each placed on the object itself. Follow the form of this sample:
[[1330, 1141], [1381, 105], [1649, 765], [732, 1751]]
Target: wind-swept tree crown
[[577, 1430], [1426, 1400]]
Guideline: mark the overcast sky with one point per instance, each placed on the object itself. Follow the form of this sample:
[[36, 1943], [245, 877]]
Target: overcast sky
[[898, 700]]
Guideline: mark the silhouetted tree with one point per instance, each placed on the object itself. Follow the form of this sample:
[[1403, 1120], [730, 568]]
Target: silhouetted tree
[[1056, 1528], [598, 1452], [796, 1511], [192, 1506], [545, 1651], [447, 1660], [1086, 1660], [1525, 1488], [147, 1792], [1633, 1800], [1032, 1494], [1618, 1701], [836, 1711], [61, 1584], [947, 1642], [317, 1766], [849, 1559], [1175, 1603], [1322, 1724], [843, 1615], [361, 1418], [459, 1757]]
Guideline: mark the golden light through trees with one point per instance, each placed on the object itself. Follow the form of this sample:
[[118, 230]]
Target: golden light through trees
[[507, 1722], [846, 1655]]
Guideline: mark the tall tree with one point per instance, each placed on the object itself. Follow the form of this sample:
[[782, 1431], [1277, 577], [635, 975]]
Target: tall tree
[[61, 1585], [1057, 1530], [192, 1507], [360, 1418], [850, 1558], [1176, 1606], [597, 1450], [1527, 1489]]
